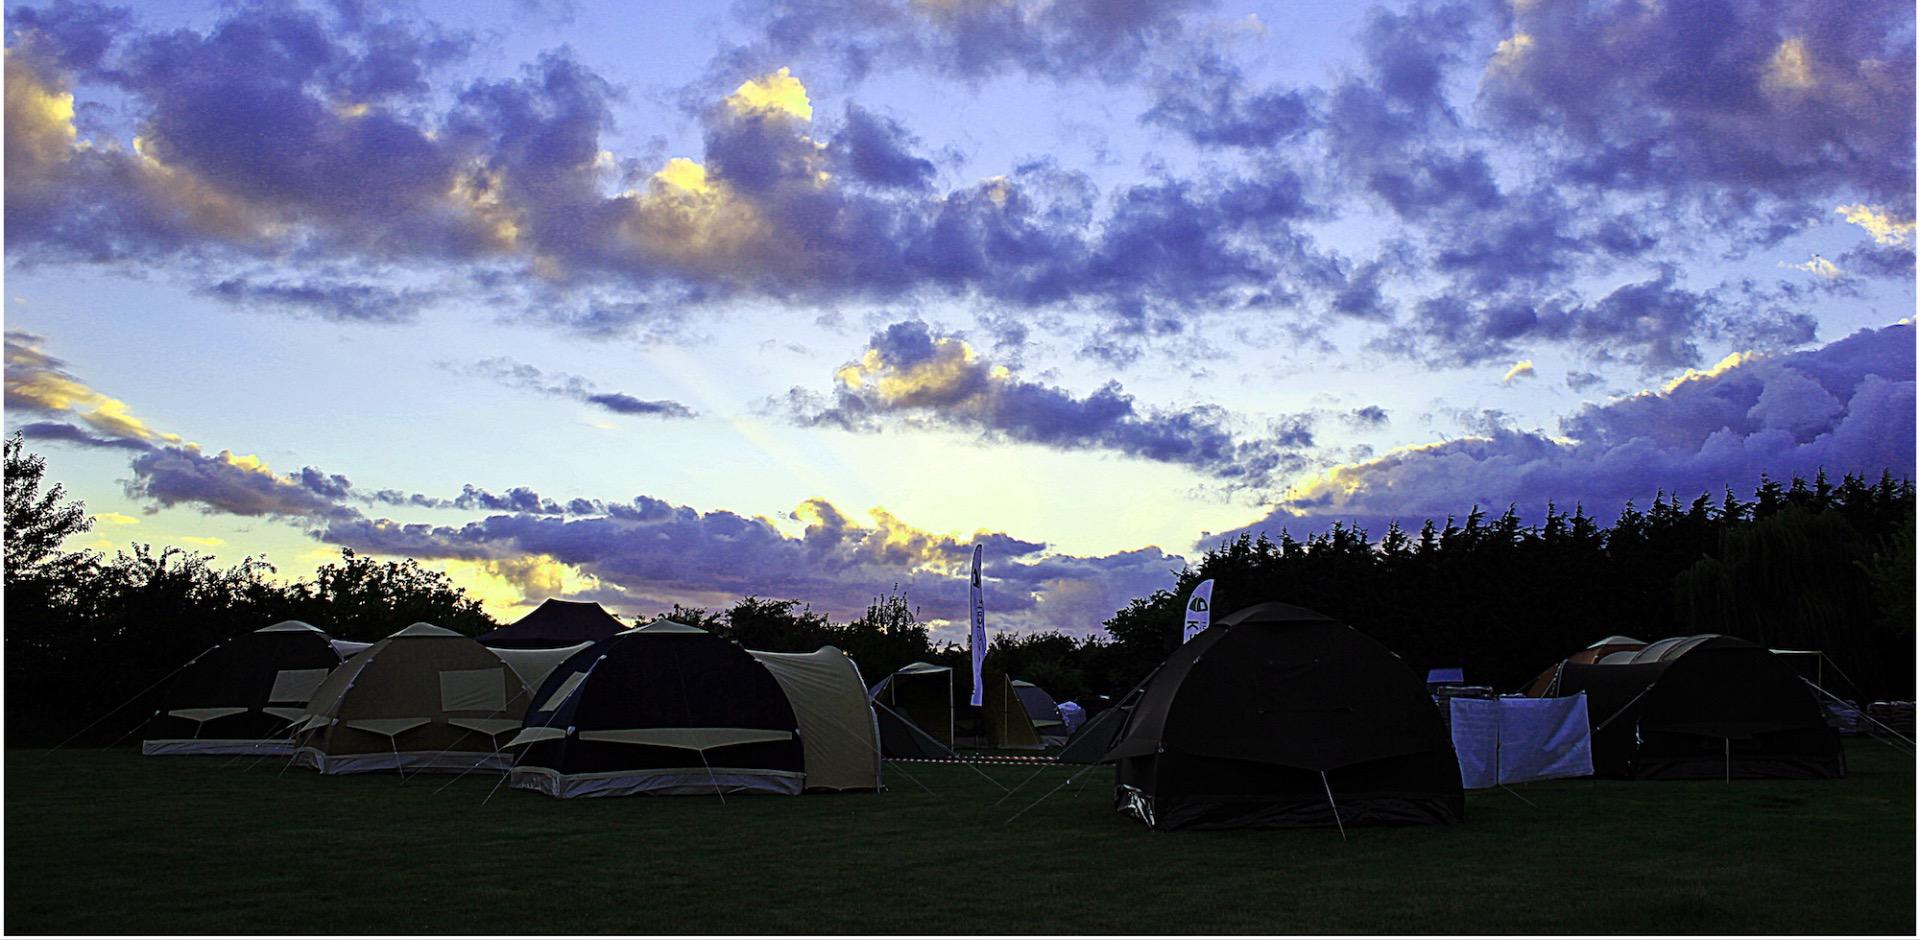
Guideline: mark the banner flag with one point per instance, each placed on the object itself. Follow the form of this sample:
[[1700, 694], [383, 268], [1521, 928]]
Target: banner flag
[[1199, 609], [977, 638]]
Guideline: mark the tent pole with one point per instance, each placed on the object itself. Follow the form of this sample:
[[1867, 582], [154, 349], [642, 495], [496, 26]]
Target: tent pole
[[1729, 744], [1336, 806]]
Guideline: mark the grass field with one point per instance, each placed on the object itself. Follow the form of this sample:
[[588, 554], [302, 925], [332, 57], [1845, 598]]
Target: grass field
[[108, 842]]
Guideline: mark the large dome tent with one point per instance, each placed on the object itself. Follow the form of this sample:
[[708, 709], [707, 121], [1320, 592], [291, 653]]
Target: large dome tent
[[245, 695], [423, 699], [1702, 707], [1282, 717], [665, 708]]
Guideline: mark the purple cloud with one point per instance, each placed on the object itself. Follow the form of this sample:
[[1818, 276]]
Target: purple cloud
[[909, 374], [1847, 407]]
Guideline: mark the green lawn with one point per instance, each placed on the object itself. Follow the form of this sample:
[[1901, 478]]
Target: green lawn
[[108, 842]]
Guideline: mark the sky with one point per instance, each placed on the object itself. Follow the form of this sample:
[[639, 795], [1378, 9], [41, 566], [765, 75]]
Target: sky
[[680, 302]]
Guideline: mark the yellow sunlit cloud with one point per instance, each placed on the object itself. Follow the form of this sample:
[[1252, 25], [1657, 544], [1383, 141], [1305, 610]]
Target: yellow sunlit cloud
[[1694, 375], [1885, 229], [115, 518], [1511, 49], [29, 379], [510, 587], [203, 540], [1818, 267], [1521, 369], [778, 93], [476, 193], [39, 121], [1790, 67], [685, 175]]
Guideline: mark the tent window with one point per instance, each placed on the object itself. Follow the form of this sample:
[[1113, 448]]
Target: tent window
[[560, 694], [295, 685], [473, 690]]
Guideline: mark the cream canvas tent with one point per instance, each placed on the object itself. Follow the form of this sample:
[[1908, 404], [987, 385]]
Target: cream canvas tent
[[424, 699], [838, 732]]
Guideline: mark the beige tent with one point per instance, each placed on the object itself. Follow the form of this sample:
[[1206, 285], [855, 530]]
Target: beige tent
[[1003, 718], [837, 728], [425, 698]]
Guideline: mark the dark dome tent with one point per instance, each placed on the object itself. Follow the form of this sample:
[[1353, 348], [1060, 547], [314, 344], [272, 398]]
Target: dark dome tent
[[1706, 707], [245, 695], [664, 709], [1280, 717], [922, 695], [556, 623], [424, 699]]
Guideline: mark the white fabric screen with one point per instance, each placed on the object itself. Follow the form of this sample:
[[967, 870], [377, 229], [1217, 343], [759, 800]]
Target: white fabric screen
[[296, 685], [560, 694], [473, 690], [1517, 739]]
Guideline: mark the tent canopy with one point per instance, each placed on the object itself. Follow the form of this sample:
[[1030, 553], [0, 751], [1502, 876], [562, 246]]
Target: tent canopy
[[1276, 717], [839, 734], [556, 623], [1701, 707]]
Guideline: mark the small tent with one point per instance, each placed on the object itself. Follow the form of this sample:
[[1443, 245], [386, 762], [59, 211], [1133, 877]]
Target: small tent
[[1004, 722], [665, 708], [1705, 707], [1281, 717], [901, 739], [424, 699], [839, 735], [921, 693], [243, 696], [1048, 721], [556, 623]]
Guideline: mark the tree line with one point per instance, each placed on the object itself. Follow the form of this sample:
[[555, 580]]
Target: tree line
[[1805, 564]]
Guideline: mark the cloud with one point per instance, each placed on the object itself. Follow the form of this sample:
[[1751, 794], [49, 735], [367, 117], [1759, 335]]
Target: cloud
[[1847, 407], [1716, 104], [969, 41], [1370, 416], [39, 383], [1519, 370], [909, 374], [68, 434], [518, 375], [332, 300], [234, 484], [649, 548]]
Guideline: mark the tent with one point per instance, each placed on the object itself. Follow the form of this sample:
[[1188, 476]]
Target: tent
[[921, 693], [1705, 707], [424, 699], [1281, 717], [1072, 716], [1592, 654], [556, 623], [901, 739], [245, 695], [665, 708], [1042, 712], [839, 735], [1004, 721]]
